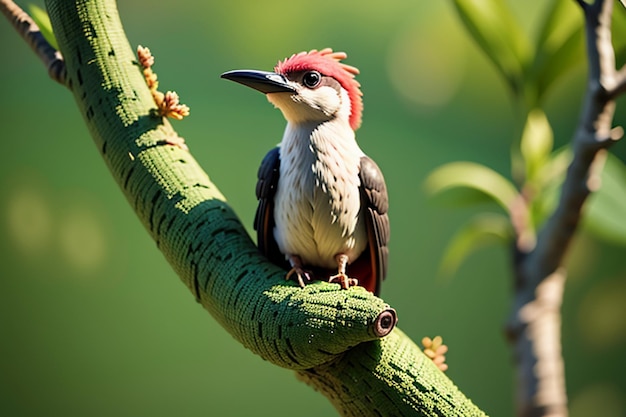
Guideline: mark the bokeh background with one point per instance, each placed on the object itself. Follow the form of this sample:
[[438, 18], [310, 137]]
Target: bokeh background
[[93, 321]]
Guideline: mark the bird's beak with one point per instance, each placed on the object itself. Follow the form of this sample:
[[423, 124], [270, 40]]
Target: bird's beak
[[265, 82]]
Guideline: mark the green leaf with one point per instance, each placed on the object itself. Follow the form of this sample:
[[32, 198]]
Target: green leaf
[[560, 45], [497, 32], [40, 16], [482, 230], [562, 19], [606, 209], [555, 65], [461, 197], [536, 143], [554, 170], [474, 176], [548, 182]]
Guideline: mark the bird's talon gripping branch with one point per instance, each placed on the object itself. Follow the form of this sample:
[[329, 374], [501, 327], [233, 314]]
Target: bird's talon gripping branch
[[341, 277], [344, 280], [298, 272], [300, 275]]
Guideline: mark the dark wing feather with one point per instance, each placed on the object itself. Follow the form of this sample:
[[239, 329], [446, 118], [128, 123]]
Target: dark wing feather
[[375, 204], [264, 218]]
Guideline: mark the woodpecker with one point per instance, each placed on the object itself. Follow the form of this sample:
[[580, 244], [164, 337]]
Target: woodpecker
[[322, 202]]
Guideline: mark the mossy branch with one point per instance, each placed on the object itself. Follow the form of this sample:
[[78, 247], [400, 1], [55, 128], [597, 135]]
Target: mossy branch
[[341, 342]]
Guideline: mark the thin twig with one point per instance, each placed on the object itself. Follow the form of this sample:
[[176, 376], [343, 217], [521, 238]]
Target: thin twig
[[534, 327], [28, 29]]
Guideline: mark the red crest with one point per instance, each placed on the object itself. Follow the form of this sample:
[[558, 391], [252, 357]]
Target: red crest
[[329, 63]]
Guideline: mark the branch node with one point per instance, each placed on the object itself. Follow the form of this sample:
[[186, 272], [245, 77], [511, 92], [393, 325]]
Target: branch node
[[616, 133], [385, 322]]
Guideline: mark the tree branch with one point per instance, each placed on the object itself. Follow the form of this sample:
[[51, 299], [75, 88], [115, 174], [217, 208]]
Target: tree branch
[[534, 326], [29, 30], [320, 330]]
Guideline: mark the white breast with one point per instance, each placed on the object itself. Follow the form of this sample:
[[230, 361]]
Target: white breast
[[317, 205]]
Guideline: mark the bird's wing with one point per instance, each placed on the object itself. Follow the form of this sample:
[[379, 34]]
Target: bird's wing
[[375, 205], [264, 218]]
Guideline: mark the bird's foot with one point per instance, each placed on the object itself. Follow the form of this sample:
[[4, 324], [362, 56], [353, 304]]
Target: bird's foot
[[342, 278], [302, 276], [297, 271]]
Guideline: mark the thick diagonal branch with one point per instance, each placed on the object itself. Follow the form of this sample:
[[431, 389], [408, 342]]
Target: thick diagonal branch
[[534, 327], [315, 330]]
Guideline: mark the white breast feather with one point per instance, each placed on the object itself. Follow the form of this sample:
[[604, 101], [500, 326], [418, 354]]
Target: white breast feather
[[317, 203]]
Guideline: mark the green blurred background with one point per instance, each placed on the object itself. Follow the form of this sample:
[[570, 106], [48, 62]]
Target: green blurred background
[[93, 321]]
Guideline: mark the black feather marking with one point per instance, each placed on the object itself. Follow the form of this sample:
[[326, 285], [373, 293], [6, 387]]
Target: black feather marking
[[267, 182], [375, 199]]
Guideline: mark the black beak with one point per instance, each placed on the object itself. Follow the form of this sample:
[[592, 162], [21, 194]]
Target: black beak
[[265, 82]]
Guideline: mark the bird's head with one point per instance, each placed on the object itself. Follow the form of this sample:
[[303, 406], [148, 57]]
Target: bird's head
[[307, 87]]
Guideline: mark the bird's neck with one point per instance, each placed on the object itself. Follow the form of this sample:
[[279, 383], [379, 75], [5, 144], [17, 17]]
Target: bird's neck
[[318, 139]]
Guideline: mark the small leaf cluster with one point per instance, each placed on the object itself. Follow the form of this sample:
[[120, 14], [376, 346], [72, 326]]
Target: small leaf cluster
[[168, 104]]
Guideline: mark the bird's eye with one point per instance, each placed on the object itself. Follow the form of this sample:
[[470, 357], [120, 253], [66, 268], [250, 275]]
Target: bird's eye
[[311, 79]]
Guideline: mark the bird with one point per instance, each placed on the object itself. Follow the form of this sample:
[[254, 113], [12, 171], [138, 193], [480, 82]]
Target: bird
[[322, 202]]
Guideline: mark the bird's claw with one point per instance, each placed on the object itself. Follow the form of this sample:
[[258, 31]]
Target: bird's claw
[[344, 280], [301, 275]]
